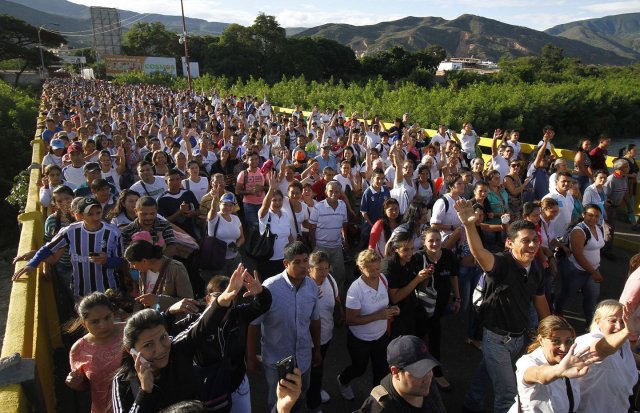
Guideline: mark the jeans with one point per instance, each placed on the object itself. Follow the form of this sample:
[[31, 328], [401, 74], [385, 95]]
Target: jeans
[[336, 260], [271, 374], [468, 279], [572, 279], [496, 367], [241, 398], [251, 216], [360, 352], [629, 206], [315, 386]]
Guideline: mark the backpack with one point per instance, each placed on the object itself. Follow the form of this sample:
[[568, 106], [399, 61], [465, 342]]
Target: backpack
[[480, 299], [585, 229]]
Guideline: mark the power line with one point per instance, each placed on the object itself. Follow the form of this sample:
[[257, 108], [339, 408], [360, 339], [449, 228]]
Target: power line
[[122, 22], [74, 34]]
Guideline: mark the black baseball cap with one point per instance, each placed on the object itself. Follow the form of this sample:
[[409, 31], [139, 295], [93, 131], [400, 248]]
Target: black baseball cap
[[85, 204], [410, 353]]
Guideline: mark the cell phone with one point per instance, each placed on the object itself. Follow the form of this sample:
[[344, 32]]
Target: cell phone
[[134, 353], [284, 366], [94, 254]]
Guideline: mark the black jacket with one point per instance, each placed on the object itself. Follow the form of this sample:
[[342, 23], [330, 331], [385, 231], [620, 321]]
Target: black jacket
[[387, 400], [177, 380]]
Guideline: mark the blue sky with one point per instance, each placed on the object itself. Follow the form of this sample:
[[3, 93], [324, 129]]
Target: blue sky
[[536, 14]]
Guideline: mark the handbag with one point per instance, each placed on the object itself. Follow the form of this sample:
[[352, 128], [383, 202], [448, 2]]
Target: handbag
[[338, 312], [427, 295], [260, 246], [213, 251]]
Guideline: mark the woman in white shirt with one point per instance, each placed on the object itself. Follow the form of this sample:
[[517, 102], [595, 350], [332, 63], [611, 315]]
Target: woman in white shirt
[[583, 270], [403, 190], [610, 382], [196, 183], [271, 213], [226, 226], [297, 210], [547, 375], [595, 193], [328, 299], [367, 312]]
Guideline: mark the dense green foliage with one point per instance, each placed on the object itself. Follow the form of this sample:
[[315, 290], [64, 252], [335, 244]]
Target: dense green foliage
[[18, 111]]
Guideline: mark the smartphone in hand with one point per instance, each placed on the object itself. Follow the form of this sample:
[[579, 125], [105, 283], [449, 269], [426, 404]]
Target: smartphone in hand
[[134, 353], [284, 366]]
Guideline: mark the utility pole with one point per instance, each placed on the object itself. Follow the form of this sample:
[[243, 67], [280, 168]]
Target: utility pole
[[41, 55], [186, 49]]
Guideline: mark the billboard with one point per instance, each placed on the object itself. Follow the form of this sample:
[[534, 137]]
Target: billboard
[[193, 66], [118, 64], [107, 31]]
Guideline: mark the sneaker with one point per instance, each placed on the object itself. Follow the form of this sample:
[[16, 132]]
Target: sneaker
[[345, 390], [324, 396]]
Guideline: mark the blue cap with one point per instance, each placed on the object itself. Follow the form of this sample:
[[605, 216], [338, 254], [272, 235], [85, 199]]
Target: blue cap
[[57, 144], [228, 197]]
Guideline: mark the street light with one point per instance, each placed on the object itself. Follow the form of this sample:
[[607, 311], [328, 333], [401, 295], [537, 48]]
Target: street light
[[183, 40], [42, 68]]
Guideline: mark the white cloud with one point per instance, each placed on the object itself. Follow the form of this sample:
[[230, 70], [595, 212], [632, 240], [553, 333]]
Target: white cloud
[[615, 7], [310, 18], [543, 21]]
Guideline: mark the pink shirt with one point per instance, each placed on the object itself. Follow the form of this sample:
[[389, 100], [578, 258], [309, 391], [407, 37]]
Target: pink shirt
[[99, 363], [631, 293], [254, 179]]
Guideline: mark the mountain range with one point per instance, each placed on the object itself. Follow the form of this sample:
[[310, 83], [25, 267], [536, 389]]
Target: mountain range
[[611, 40]]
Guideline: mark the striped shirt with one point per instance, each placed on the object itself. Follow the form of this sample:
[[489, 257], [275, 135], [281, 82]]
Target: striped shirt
[[87, 276], [328, 222]]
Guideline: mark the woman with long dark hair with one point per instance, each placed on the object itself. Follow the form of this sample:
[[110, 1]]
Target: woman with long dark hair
[[582, 164], [163, 281], [157, 370], [382, 228], [124, 212]]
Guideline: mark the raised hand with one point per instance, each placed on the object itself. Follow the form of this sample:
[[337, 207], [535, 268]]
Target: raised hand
[[574, 364], [251, 283], [465, 212]]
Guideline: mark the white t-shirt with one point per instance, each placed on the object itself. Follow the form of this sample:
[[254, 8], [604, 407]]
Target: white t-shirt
[[74, 175], [112, 177], [300, 216], [439, 139], [501, 165], [561, 223], [154, 189], [442, 215], [372, 140], [468, 142], [279, 226], [516, 148], [542, 398], [609, 383], [52, 159], [364, 298], [326, 303], [344, 182], [228, 231], [592, 250], [199, 189], [546, 233]]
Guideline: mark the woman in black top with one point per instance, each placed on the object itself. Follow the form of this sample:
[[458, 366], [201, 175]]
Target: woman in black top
[[442, 264], [161, 373], [402, 269], [225, 165]]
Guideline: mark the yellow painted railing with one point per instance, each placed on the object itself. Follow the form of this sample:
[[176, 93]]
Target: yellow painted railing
[[33, 328]]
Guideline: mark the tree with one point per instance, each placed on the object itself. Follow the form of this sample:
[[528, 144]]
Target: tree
[[151, 39], [19, 40]]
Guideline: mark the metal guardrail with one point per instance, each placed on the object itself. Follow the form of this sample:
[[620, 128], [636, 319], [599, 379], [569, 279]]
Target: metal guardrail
[[33, 328]]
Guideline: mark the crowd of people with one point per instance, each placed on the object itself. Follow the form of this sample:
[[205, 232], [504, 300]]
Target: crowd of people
[[193, 238]]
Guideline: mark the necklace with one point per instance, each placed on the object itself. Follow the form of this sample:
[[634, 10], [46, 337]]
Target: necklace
[[434, 258]]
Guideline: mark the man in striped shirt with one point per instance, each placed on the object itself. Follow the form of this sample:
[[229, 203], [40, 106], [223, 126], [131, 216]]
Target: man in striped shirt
[[326, 229], [95, 249]]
